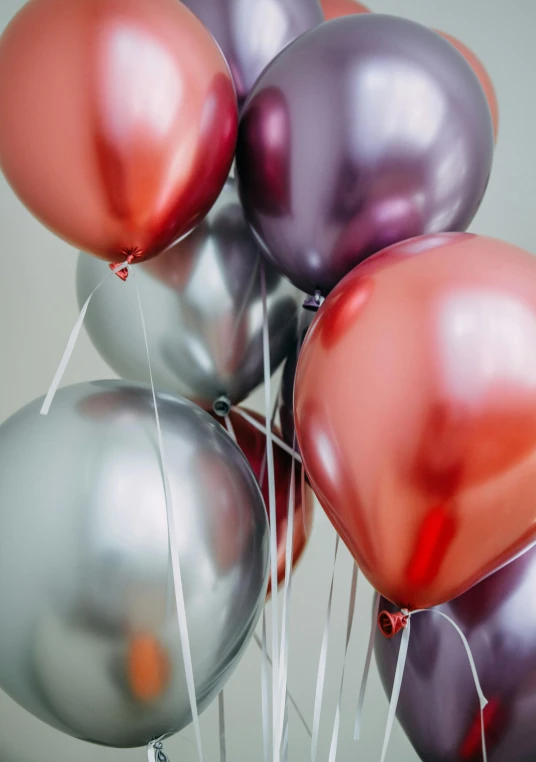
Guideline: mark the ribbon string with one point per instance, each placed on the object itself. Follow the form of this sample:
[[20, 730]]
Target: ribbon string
[[399, 674], [265, 660], [366, 668], [321, 676], [221, 720], [71, 343], [275, 439], [273, 517], [349, 625]]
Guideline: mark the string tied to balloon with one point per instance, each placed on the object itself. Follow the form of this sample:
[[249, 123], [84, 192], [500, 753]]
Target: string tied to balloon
[[313, 303], [390, 625], [156, 753], [131, 256], [222, 406]]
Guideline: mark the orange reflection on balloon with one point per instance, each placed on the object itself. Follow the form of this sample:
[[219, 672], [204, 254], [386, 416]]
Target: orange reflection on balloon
[[333, 9], [148, 668], [415, 411]]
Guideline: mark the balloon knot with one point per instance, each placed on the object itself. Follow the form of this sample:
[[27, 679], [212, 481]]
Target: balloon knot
[[131, 255], [391, 624], [313, 303], [222, 406]]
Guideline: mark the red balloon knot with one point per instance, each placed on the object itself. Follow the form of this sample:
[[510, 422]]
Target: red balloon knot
[[391, 624], [131, 255]]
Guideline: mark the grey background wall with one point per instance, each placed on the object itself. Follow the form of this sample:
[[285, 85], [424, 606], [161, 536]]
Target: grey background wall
[[38, 308]]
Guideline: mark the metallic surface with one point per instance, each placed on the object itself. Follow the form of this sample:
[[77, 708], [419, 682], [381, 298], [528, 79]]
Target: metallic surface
[[203, 308], [122, 121], [366, 131], [251, 33], [252, 442], [438, 705], [286, 397], [89, 640], [415, 409]]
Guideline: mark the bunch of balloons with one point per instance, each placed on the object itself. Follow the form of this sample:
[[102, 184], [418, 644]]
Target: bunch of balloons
[[363, 146]]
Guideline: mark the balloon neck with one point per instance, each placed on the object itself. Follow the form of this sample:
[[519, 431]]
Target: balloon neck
[[130, 257], [313, 303], [159, 753], [222, 406], [391, 624]]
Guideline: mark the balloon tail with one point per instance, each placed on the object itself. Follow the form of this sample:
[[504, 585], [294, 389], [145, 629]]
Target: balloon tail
[[321, 676], [349, 625], [56, 381], [313, 303], [273, 516], [397, 684], [366, 669], [174, 549], [156, 753]]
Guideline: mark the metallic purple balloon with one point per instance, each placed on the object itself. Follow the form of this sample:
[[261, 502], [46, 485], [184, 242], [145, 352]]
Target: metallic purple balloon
[[286, 396], [251, 33], [438, 705], [366, 131]]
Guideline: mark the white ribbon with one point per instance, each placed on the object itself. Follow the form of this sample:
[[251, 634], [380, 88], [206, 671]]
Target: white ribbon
[[265, 659], [230, 428], [221, 718], [56, 381], [321, 676], [399, 674], [349, 625], [273, 518], [174, 546], [291, 698], [275, 439], [366, 668]]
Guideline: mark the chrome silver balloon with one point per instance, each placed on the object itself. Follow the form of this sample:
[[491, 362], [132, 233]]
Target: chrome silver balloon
[[203, 309], [89, 640]]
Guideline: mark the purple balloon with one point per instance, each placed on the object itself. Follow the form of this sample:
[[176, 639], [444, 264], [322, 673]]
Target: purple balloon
[[286, 397], [366, 131], [251, 33], [438, 706]]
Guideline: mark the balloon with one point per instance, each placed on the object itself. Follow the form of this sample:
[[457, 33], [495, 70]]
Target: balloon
[[415, 410], [483, 77], [119, 121], [334, 9], [252, 442], [203, 308], [88, 644], [364, 132], [286, 397], [438, 705], [251, 34]]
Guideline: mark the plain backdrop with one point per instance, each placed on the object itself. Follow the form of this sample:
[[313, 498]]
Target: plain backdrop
[[38, 308]]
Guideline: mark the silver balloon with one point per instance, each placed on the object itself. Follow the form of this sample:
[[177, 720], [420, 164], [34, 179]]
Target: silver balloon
[[203, 308], [89, 640]]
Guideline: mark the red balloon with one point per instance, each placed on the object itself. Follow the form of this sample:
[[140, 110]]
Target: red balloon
[[252, 442], [483, 76], [119, 121], [415, 409], [333, 9]]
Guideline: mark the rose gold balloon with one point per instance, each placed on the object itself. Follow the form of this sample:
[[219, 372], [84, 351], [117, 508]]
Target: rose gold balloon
[[333, 9], [252, 442], [415, 408], [483, 76], [119, 121]]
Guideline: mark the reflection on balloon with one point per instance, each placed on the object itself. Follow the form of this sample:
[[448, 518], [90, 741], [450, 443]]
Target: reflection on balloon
[[498, 617], [415, 409], [122, 121], [90, 646], [483, 77], [203, 309], [334, 9], [402, 140], [252, 442], [286, 397], [250, 34]]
